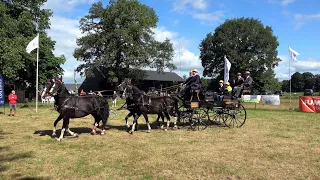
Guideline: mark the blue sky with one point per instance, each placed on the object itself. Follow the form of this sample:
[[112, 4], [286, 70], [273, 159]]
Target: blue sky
[[186, 22]]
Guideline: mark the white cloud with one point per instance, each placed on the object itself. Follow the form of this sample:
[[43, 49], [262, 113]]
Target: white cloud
[[282, 2], [65, 5], [184, 59], [308, 65], [183, 5], [209, 18], [301, 19]]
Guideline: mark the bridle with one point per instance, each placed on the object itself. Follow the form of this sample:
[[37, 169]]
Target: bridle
[[53, 87]]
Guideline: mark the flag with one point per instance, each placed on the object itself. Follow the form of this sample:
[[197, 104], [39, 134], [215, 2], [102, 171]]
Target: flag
[[34, 44], [293, 54], [227, 66]]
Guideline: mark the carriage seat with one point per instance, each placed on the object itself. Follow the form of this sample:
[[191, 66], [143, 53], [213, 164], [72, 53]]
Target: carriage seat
[[246, 91], [197, 92]]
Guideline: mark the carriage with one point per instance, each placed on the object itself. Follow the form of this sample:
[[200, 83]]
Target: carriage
[[200, 111]]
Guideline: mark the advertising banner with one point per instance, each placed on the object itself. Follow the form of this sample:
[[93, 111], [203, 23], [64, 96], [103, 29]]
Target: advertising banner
[[1, 91], [309, 104], [273, 100], [251, 98]]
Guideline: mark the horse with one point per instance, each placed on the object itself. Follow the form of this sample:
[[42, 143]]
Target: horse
[[144, 105], [130, 106], [69, 106]]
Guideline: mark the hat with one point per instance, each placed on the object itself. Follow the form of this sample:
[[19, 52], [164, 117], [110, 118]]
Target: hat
[[221, 81], [239, 74], [195, 70], [227, 83], [191, 71], [247, 72]]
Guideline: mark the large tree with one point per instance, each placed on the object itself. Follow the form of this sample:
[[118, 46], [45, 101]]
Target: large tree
[[119, 39], [297, 82], [17, 29], [247, 43]]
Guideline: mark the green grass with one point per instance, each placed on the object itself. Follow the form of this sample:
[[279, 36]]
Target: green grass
[[272, 144]]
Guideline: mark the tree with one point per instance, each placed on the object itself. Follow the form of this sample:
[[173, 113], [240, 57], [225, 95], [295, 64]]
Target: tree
[[204, 82], [246, 43], [285, 86], [297, 82], [119, 39], [17, 29], [309, 80]]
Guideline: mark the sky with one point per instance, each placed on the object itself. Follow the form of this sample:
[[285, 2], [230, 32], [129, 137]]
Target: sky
[[186, 23]]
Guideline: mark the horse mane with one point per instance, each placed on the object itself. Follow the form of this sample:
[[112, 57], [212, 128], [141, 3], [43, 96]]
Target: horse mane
[[64, 90], [136, 90]]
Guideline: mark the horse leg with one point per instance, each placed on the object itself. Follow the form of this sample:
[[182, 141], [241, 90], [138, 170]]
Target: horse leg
[[162, 117], [104, 116], [134, 122], [96, 124], [55, 125], [64, 127], [168, 120], [158, 122], [145, 115], [131, 113]]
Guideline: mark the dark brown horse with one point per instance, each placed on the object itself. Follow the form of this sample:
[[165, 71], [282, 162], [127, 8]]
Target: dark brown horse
[[143, 104], [69, 106]]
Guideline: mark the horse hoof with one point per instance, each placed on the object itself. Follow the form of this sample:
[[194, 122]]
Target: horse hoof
[[53, 135], [58, 139], [75, 135], [165, 129], [148, 131], [93, 133], [130, 132]]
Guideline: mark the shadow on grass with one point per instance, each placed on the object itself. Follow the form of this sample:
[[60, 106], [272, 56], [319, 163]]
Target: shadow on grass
[[7, 156]]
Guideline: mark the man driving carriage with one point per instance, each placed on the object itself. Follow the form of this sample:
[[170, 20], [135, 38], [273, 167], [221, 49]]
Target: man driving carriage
[[192, 83]]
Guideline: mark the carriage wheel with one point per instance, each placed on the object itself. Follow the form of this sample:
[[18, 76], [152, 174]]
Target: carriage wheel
[[239, 116], [185, 115], [215, 116], [199, 119]]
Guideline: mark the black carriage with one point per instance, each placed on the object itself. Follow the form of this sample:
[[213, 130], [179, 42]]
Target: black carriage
[[200, 111]]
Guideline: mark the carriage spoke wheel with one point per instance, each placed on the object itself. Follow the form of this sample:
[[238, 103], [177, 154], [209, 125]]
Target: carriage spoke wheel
[[215, 117], [185, 116], [238, 116], [199, 119]]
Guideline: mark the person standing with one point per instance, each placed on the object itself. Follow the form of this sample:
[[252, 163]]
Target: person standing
[[12, 102], [114, 99]]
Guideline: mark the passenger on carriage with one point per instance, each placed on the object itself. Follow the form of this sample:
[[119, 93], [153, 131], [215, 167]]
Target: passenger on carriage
[[238, 85], [228, 89], [219, 94]]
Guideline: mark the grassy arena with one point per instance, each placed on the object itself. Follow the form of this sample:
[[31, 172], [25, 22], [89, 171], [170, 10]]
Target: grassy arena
[[271, 145]]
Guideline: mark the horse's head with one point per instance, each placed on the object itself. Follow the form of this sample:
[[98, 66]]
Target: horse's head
[[53, 88], [126, 87]]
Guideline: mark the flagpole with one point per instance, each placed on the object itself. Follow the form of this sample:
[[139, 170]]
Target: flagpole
[[290, 78], [37, 76]]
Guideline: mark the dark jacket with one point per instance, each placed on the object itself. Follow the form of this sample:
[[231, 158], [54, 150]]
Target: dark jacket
[[188, 81], [238, 82], [220, 90], [195, 80], [248, 82]]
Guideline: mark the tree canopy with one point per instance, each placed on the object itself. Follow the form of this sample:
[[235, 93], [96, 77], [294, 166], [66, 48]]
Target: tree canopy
[[17, 29], [249, 46], [300, 82], [119, 40]]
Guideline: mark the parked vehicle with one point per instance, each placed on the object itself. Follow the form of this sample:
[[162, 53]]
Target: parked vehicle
[[279, 92], [266, 92], [308, 92]]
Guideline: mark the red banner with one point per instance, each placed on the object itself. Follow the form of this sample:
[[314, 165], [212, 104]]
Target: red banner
[[309, 104]]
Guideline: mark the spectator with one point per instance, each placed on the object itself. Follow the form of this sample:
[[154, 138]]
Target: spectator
[[12, 102], [114, 99]]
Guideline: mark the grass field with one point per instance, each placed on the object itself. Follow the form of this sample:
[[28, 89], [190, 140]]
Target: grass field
[[271, 145]]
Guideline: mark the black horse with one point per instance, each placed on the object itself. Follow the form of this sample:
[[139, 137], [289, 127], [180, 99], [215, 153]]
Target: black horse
[[69, 106], [143, 104], [132, 111]]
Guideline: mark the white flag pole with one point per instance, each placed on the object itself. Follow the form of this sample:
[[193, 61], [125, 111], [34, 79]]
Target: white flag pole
[[37, 76], [290, 77]]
